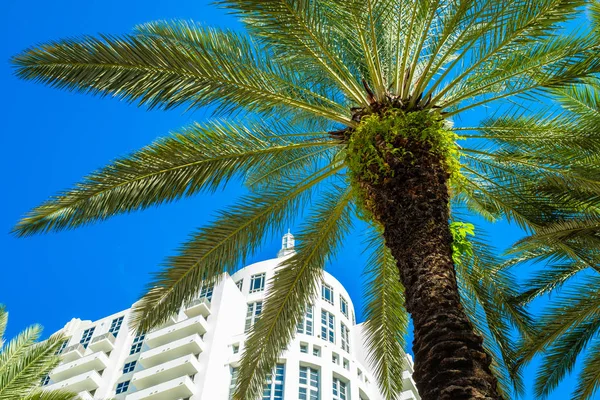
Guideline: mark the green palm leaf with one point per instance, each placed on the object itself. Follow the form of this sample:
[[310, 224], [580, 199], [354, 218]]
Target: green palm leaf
[[589, 378], [201, 158], [222, 69], [293, 286], [24, 362]]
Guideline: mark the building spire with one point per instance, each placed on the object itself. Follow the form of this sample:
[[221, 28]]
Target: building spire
[[287, 245]]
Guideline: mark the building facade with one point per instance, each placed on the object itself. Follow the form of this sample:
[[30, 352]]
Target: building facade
[[195, 355]]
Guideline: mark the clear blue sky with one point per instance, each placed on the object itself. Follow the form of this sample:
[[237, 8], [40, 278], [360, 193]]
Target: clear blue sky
[[50, 139]]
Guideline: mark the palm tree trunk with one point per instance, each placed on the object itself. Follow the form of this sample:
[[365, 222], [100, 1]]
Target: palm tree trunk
[[412, 205]]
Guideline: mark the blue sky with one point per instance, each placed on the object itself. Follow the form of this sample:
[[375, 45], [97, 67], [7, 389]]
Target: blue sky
[[53, 138]]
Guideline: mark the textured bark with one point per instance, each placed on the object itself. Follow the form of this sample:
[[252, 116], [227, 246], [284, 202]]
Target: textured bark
[[412, 206]]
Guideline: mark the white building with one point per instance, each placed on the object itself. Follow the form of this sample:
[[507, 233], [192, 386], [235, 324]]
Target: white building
[[196, 354]]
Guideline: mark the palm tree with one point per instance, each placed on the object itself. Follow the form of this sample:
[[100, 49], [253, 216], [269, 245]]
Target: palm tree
[[24, 363], [568, 248], [339, 108]]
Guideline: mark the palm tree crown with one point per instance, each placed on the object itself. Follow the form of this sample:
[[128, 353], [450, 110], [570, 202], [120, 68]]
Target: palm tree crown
[[289, 98]]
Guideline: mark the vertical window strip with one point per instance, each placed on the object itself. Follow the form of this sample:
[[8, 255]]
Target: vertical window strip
[[308, 388], [343, 306], [345, 334], [273, 388], [87, 336], [252, 314], [306, 325], [327, 326], [327, 293], [115, 325], [340, 389], [206, 292], [62, 347], [122, 387], [136, 346], [234, 375]]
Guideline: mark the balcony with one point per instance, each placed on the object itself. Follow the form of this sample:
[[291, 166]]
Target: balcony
[[197, 325], [91, 362], [198, 307], [179, 348], [72, 352], [182, 366], [103, 343], [178, 388], [85, 382]]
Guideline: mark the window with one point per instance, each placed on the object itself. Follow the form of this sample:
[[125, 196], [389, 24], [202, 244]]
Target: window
[[62, 347], [327, 326], [45, 380], [235, 348], [257, 283], [128, 367], [346, 364], [359, 373], [206, 292], [306, 325], [335, 358], [308, 384], [345, 335], [122, 387], [343, 306], [340, 389], [303, 348], [234, 375], [136, 346], [273, 388], [115, 325], [327, 293], [316, 351], [239, 284], [87, 336], [252, 315]]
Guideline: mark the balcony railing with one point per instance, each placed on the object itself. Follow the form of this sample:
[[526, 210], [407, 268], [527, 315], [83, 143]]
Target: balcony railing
[[72, 352], [178, 388], [177, 331], [189, 345], [105, 342], [87, 381], [197, 307], [91, 362], [182, 366]]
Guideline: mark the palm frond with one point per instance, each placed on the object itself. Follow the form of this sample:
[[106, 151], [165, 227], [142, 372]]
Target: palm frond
[[16, 348], [219, 68], [3, 322], [20, 375], [574, 307], [559, 358], [224, 245], [50, 395], [304, 32], [589, 379], [386, 319], [294, 285], [201, 158]]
